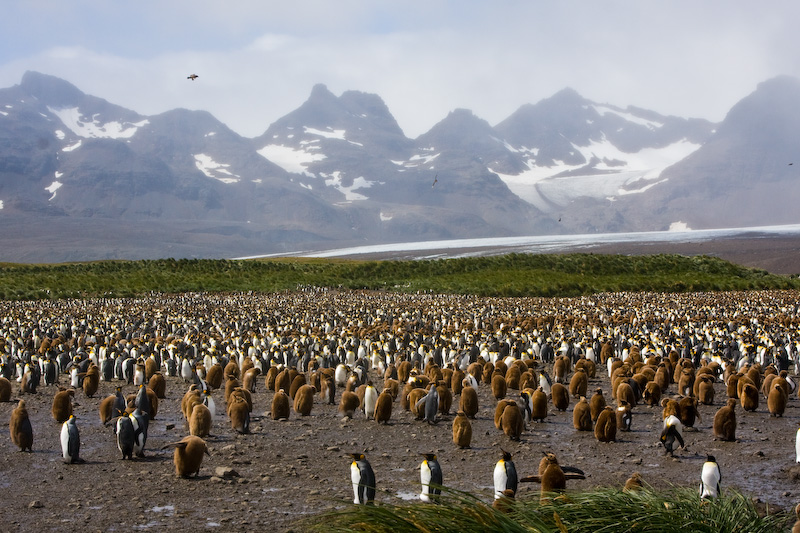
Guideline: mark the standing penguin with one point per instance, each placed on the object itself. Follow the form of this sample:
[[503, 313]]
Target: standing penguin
[[797, 445], [126, 435], [462, 431], [383, 407], [188, 455], [363, 479], [581, 416], [431, 403], [710, 478], [505, 475], [725, 422], [605, 430], [430, 474], [370, 399], [141, 423], [624, 416], [71, 441], [671, 433], [280, 406], [20, 428]]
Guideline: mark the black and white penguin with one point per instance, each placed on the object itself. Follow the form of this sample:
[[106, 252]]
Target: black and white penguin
[[431, 405], [71, 441], [126, 436], [710, 478], [671, 433], [505, 475], [141, 423], [363, 479], [430, 474]]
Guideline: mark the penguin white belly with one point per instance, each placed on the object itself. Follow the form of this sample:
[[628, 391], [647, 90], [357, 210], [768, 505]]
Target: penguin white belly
[[425, 478], [65, 441], [355, 477], [500, 479]]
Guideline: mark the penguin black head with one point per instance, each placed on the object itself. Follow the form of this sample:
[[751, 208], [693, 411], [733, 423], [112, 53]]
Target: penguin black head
[[506, 455], [357, 456], [710, 459], [429, 456]]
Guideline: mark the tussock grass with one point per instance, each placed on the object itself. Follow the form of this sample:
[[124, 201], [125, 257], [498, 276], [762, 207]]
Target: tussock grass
[[512, 275], [597, 511]]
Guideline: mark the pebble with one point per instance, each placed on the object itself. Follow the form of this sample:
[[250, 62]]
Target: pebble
[[35, 504]]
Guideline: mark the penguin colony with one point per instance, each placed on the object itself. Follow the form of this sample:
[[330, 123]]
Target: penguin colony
[[441, 363]]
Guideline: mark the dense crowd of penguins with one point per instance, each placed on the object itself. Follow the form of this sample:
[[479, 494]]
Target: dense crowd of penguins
[[372, 350]]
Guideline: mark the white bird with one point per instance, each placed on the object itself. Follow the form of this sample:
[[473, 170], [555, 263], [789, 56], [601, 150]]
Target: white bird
[[710, 478]]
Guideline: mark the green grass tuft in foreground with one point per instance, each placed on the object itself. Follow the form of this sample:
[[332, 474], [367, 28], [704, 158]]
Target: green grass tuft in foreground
[[597, 511]]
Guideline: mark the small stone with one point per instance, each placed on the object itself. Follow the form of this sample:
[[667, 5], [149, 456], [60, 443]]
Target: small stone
[[333, 449], [170, 426], [35, 504], [225, 472]]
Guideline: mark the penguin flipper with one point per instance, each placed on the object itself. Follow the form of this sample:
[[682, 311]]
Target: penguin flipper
[[573, 470], [536, 478], [574, 475]]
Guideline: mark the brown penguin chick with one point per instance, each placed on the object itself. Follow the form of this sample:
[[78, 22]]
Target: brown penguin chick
[[304, 400], [215, 376], [231, 369], [106, 409], [328, 389], [499, 387], [582, 416], [662, 377], [487, 373], [191, 397], [538, 405], [560, 367], [151, 396], [505, 503], [511, 421], [62, 405], [725, 422], [560, 396], [298, 381], [250, 377], [188, 455], [689, 413], [705, 390], [348, 404], [403, 371], [776, 401], [498, 412], [91, 381], [383, 407], [468, 402], [231, 383], [284, 380], [624, 416], [552, 476], [744, 380], [5, 390], [605, 430], [634, 483], [158, 385], [651, 394], [270, 377], [445, 398], [462, 430], [245, 395], [280, 406], [686, 382], [596, 404], [625, 392], [457, 381], [20, 428], [512, 377], [749, 397], [200, 421], [150, 368], [413, 398], [670, 407], [579, 383], [247, 364], [239, 414], [732, 385]]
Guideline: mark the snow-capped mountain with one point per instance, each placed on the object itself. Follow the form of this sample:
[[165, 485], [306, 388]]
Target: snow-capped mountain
[[81, 178]]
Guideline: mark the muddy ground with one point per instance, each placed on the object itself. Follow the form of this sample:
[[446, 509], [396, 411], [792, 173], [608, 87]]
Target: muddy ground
[[285, 471]]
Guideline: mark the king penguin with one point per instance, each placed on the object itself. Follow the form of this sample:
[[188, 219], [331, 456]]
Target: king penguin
[[710, 478], [125, 436], [670, 433], [20, 428], [71, 441], [505, 475], [431, 404], [797, 445], [430, 474], [363, 479]]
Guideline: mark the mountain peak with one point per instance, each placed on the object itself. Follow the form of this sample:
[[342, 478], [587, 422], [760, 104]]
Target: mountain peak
[[50, 89]]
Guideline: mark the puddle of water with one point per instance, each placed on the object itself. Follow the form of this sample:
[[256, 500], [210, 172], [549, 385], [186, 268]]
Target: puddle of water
[[407, 495]]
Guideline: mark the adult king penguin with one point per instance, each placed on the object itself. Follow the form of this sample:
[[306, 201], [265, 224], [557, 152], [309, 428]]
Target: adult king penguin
[[710, 478], [430, 474], [505, 475], [71, 441], [363, 479], [126, 436], [671, 433]]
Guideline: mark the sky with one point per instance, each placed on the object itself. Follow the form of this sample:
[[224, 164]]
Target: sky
[[257, 60]]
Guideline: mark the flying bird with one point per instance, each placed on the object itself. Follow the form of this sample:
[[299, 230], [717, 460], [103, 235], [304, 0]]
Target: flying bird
[[434, 180], [192, 77]]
